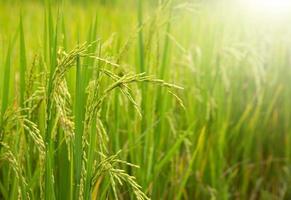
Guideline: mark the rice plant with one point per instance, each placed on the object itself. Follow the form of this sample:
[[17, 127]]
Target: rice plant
[[143, 99]]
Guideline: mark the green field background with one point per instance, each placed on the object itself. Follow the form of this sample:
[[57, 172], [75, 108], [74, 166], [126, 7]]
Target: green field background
[[200, 101]]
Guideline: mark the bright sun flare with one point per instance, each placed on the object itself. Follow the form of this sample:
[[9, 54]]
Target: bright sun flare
[[269, 7]]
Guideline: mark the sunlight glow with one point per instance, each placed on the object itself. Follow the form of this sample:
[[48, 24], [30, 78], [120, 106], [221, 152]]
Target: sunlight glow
[[269, 7]]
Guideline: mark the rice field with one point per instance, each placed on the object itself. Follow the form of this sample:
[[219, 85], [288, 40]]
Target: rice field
[[144, 99]]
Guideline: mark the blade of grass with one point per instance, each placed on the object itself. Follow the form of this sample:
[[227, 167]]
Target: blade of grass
[[22, 61]]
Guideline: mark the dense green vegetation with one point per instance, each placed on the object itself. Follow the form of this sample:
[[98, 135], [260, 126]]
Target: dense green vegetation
[[115, 99]]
